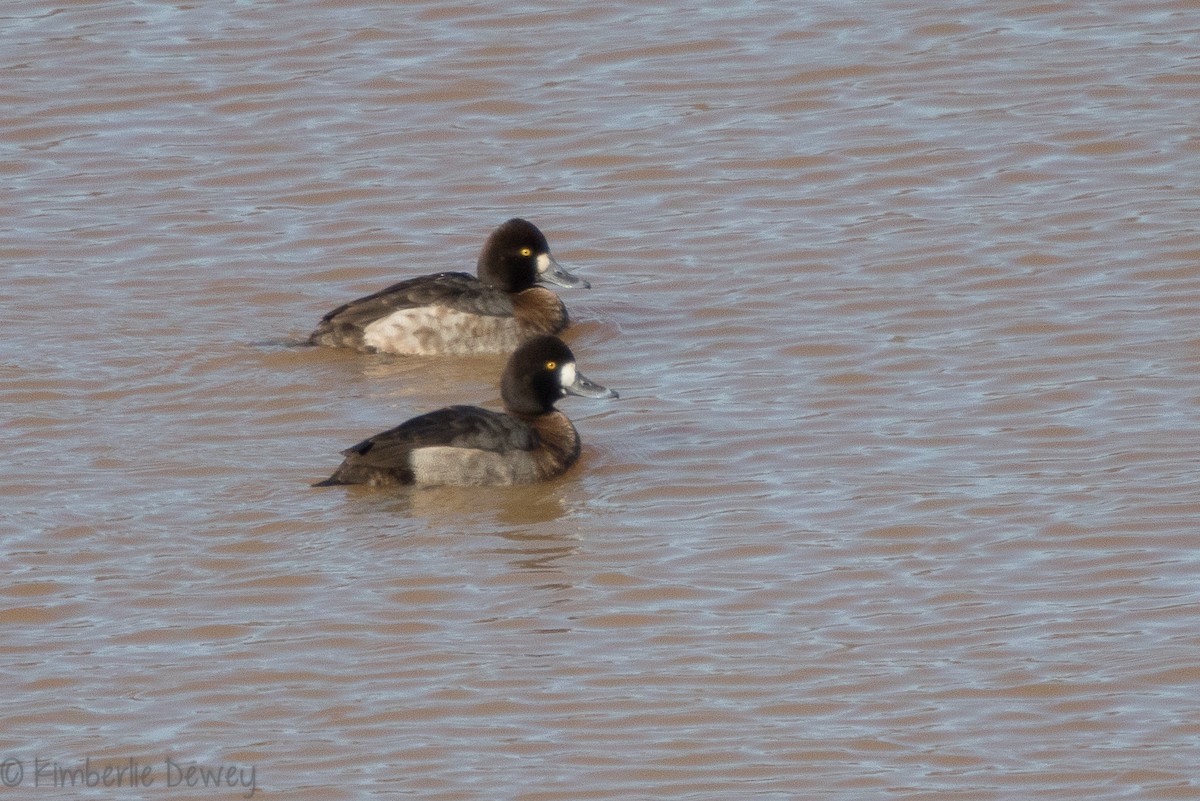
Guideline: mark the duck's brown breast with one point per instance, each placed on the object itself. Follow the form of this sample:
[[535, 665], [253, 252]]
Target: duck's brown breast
[[558, 444], [539, 311]]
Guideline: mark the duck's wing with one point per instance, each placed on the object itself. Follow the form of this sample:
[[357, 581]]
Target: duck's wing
[[388, 455], [346, 325], [458, 291], [451, 427]]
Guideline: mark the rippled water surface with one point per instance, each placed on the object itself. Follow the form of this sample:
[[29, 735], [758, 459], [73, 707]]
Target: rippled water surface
[[900, 496]]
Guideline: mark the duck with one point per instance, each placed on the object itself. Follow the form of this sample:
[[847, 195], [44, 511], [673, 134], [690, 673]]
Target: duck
[[530, 441], [455, 313]]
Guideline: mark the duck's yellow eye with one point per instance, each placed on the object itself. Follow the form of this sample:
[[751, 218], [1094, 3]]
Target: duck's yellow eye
[[526, 252], [551, 365]]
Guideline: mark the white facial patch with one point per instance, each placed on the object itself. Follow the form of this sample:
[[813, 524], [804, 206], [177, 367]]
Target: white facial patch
[[543, 262], [567, 376]]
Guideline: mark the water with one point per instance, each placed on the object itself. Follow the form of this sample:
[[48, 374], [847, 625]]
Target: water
[[898, 499]]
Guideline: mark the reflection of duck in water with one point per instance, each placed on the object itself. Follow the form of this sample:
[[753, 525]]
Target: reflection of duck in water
[[529, 441], [457, 313]]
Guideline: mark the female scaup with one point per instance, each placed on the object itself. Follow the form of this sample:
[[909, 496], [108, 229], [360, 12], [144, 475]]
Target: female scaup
[[457, 313], [530, 441]]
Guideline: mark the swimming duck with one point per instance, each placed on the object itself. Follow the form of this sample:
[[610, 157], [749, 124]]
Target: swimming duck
[[460, 314], [529, 441]]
